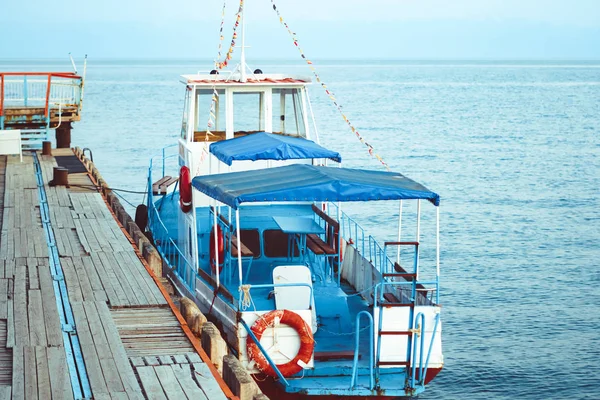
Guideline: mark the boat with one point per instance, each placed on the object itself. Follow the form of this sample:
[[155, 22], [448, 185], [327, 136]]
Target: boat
[[247, 211]]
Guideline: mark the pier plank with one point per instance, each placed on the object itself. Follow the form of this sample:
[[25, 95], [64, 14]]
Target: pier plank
[[183, 373], [4, 298], [60, 382], [92, 363], [21, 328], [205, 380], [37, 330], [43, 374], [169, 382], [18, 374], [51, 321], [150, 383]]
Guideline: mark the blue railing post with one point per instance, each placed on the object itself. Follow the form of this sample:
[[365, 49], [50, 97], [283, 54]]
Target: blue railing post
[[25, 91], [354, 379], [420, 336], [261, 348]]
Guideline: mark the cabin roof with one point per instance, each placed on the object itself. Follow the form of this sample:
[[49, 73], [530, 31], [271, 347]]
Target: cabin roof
[[269, 146], [227, 79]]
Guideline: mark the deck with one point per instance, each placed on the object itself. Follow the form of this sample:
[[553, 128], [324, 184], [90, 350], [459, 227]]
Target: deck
[[80, 315]]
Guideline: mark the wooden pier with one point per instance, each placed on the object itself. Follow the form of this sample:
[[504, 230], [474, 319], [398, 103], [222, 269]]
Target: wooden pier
[[113, 333]]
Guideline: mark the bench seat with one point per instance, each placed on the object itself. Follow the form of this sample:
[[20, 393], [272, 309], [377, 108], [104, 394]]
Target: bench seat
[[318, 246], [160, 187]]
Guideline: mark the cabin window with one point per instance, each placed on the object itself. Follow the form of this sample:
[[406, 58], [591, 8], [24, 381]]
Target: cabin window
[[276, 244], [204, 98], [248, 112], [251, 239], [288, 114]]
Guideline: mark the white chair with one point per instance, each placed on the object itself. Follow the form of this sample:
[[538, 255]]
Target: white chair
[[294, 297], [10, 143]]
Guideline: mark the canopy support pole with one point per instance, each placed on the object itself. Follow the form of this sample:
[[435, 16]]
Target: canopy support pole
[[418, 237], [399, 233], [239, 244], [339, 257], [437, 254], [216, 244]]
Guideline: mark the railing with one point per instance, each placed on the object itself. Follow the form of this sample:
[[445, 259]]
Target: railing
[[166, 245], [354, 378], [39, 89]]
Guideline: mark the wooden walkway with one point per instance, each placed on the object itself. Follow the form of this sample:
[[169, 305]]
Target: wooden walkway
[[132, 344]]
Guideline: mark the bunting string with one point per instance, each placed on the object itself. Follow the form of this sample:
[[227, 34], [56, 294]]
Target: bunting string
[[329, 93], [219, 65]]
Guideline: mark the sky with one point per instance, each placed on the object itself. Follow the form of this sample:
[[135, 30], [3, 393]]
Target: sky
[[326, 29]]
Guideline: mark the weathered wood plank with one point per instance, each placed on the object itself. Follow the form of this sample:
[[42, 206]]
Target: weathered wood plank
[[60, 382], [169, 382], [20, 307], [92, 364], [150, 383], [73, 286], [118, 351], [37, 330], [51, 320], [18, 374], [207, 382], [111, 279], [30, 371], [3, 298], [82, 277], [183, 373], [5, 392], [43, 375], [10, 326]]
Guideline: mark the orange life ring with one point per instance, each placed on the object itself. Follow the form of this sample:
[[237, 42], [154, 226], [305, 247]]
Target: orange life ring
[[307, 342], [220, 250], [185, 189]]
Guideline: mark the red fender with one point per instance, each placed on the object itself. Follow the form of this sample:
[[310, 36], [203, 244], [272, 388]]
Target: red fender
[[221, 249], [185, 189], [307, 342]]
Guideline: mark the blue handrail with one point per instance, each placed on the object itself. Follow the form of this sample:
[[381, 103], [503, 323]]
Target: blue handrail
[[276, 285], [356, 350], [420, 336], [424, 370]]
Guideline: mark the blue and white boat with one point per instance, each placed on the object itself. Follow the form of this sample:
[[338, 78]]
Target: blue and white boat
[[248, 215]]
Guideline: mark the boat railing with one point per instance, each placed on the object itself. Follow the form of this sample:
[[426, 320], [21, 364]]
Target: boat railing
[[354, 379], [416, 339], [164, 243], [379, 256]]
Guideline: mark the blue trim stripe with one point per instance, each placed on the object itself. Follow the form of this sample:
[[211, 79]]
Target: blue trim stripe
[[79, 378]]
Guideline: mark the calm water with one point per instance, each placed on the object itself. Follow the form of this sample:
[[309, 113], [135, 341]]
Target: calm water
[[512, 148]]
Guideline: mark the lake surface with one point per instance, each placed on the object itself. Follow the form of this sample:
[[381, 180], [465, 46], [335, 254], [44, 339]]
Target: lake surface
[[512, 148]]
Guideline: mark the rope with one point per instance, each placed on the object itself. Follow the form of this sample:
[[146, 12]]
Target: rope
[[246, 298], [329, 93]]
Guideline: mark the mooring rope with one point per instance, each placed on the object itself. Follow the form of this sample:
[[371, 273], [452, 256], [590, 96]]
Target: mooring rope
[[329, 93]]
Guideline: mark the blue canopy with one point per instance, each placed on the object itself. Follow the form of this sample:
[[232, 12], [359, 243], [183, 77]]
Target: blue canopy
[[301, 182], [268, 146]]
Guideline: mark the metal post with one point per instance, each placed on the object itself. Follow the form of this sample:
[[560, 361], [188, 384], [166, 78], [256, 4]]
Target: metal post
[[216, 242], [399, 233], [239, 245], [437, 255], [418, 238], [25, 94]]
